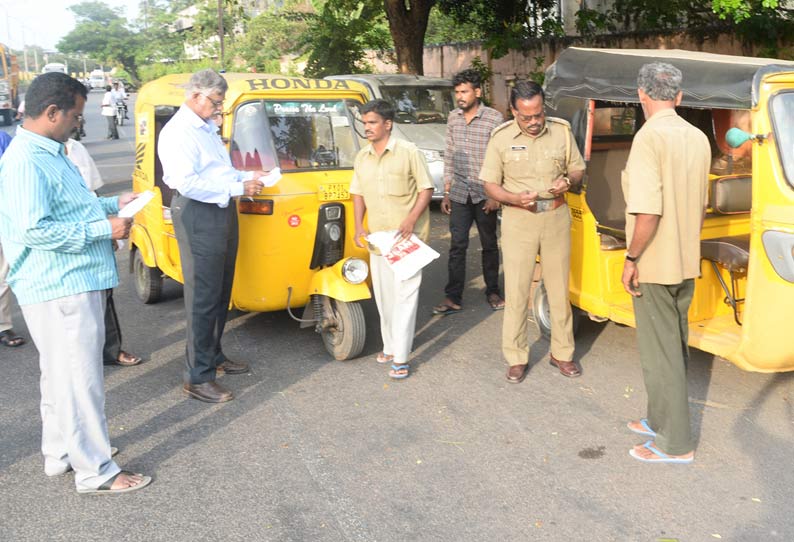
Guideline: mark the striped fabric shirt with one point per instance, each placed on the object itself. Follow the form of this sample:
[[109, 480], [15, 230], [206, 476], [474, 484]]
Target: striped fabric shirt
[[54, 231], [465, 152]]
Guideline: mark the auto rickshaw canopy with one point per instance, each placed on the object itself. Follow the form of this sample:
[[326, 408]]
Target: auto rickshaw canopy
[[709, 80]]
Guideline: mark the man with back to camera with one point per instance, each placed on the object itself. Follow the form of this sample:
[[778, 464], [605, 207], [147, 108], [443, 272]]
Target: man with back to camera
[[392, 186], [665, 185], [204, 213], [55, 235], [468, 131], [529, 164]]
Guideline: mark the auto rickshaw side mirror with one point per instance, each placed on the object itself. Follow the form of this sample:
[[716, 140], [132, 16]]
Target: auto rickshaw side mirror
[[736, 137]]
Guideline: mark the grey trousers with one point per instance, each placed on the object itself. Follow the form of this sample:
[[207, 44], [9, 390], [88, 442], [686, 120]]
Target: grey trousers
[[662, 335], [69, 333], [207, 239]]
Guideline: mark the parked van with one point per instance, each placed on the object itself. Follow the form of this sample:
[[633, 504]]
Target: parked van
[[743, 303], [422, 105], [97, 80], [55, 67]]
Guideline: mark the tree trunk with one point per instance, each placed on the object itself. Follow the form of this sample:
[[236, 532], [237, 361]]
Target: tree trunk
[[407, 25]]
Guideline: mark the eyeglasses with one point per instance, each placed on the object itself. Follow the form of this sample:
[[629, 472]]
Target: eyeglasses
[[217, 104]]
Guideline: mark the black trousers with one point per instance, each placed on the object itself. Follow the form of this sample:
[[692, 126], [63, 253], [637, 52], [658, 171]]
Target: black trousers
[[460, 221], [207, 239], [112, 348]]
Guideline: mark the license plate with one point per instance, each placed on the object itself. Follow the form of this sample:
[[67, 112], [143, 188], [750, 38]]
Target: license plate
[[332, 192]]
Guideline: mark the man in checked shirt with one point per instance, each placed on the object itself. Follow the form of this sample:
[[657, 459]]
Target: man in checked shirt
[[468, 131]]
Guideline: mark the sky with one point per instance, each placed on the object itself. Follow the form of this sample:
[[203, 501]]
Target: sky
[[45, 22]]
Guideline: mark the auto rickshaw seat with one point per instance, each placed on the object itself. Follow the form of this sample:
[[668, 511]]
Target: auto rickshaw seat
[[732, 253]]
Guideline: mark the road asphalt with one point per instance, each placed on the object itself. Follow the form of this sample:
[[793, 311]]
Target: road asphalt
[[320, 450]]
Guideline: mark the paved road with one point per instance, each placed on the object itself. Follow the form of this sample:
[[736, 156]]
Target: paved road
[[317, 450]]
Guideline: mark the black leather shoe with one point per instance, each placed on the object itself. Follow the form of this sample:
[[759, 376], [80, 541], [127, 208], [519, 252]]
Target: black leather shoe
[[209, 392], [230, 367]]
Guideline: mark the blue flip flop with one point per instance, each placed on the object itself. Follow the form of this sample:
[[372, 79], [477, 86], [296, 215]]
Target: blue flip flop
[[644, 423], [399, 368], [661, 457]]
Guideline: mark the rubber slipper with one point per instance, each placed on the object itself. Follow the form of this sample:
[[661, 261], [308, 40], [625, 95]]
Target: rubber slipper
[[11, 339], [384, 358], [446, 308], [648, 432], [661, 457], [496, 302], [105, 489], [395, 369]]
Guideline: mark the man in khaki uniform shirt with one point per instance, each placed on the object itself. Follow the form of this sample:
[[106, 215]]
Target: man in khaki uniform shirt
[[666, 187], [392, 185], [529, 165]]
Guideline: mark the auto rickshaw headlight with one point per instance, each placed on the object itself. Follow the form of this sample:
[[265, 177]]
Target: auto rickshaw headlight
[[355, 270]]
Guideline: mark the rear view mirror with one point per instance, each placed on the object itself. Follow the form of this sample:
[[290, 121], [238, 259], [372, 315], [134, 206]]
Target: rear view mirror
[[736, 137]]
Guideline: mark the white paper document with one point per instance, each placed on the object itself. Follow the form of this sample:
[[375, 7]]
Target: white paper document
[[406, 257], [136, 205], [271, 178]]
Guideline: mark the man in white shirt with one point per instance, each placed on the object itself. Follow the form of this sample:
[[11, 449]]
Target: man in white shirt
[[118, 95], [108, 110], [197, 165]]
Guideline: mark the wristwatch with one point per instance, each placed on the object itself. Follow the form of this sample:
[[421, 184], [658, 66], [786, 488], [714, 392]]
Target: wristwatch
[[631, 258], [567, 181]]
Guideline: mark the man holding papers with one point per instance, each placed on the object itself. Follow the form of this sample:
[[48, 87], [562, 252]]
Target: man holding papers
[[197, 165], [392, 186], [55, 235]]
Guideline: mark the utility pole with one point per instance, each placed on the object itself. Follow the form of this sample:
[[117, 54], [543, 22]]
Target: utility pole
[[220, 29]]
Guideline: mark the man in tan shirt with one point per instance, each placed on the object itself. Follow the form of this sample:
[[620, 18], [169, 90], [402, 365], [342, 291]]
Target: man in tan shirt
[[530, 163], [392, 186], [665, 185]]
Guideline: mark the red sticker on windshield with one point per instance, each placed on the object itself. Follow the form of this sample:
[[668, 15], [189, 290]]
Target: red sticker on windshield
[[294, 221]]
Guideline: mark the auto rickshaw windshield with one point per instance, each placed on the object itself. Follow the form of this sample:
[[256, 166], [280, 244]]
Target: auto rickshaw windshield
[[293, 135], [783, 123]]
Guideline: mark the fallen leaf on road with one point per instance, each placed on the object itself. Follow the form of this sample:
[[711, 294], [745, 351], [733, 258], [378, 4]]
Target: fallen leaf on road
[[756, 499], [715, 535]]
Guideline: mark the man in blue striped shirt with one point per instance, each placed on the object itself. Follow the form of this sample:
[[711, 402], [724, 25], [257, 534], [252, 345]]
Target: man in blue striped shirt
[[56, 236]]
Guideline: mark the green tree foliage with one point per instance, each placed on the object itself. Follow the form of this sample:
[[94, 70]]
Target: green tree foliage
[[270, 35], [101, 32], [443, 28], [740, 10], [339, 33], [506, 24]]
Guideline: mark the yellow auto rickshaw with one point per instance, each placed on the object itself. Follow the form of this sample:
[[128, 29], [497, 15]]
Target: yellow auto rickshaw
[[296, 244], [743, 307]]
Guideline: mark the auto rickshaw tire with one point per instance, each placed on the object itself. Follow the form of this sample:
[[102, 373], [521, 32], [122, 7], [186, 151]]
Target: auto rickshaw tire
[[542, 312], [7, 117], [348, 342], [148, 280]]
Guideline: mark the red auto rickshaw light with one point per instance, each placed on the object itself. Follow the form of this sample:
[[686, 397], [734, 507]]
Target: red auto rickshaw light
[[256, 207]]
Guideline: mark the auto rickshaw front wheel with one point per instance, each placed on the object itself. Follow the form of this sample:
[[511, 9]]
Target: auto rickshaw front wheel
[[542, 312], [148, 280], [343, 328]]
